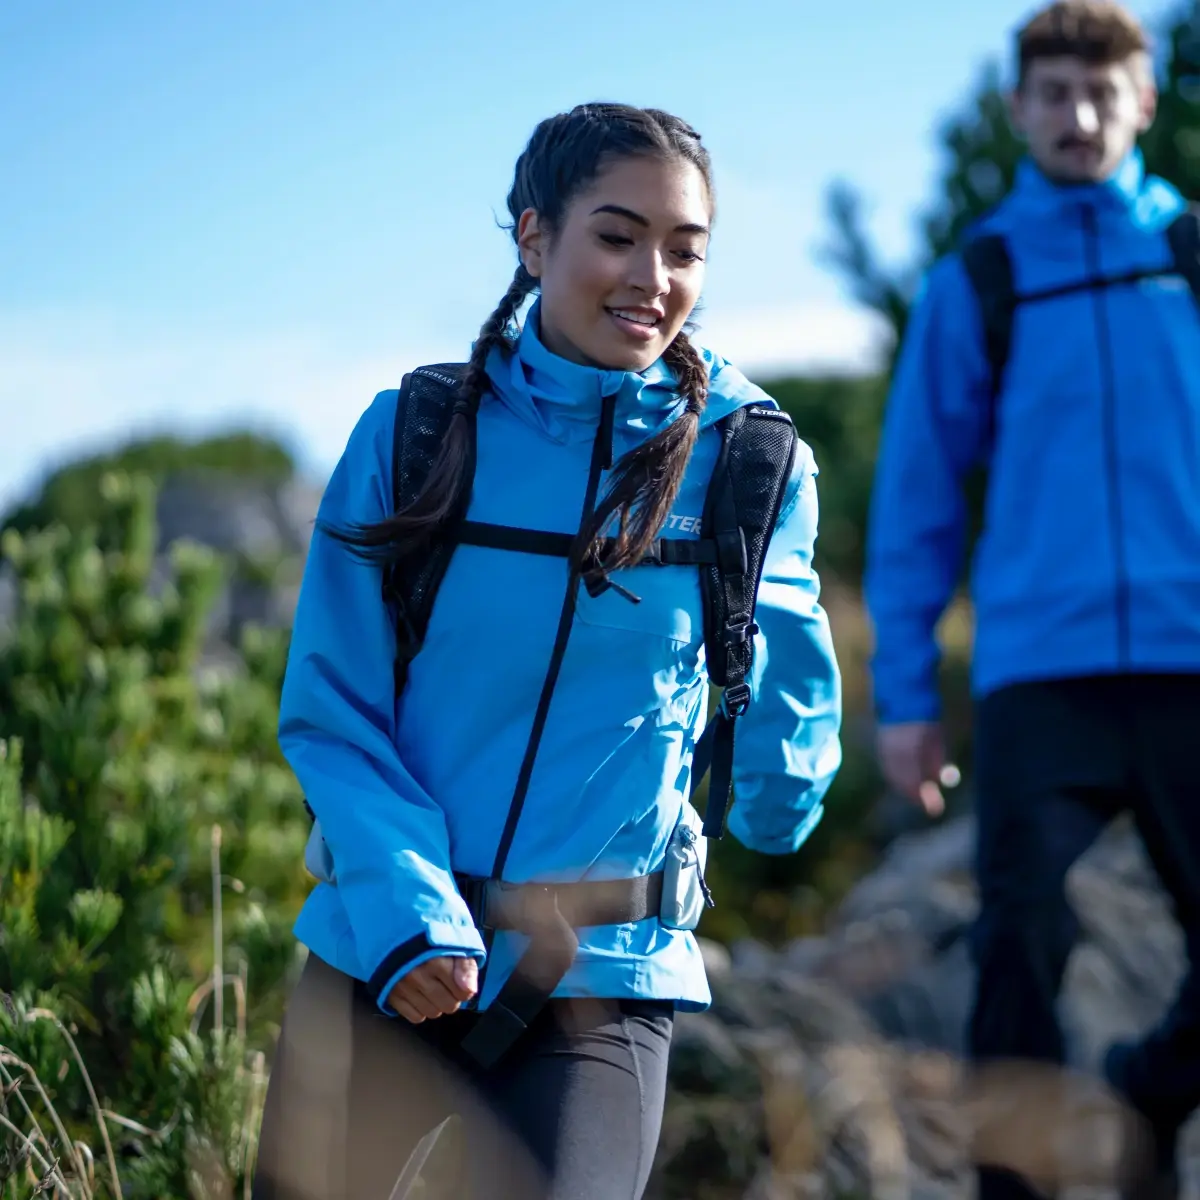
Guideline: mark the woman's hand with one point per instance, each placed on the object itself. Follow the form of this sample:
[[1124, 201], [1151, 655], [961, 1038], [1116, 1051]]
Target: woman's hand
[[436, 988]]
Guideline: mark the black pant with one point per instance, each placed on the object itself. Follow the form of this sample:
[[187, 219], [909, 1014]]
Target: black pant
[[1055, 762], [573, 1112]]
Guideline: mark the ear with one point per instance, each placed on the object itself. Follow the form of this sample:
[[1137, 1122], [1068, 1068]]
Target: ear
[[530, 242], [1148, 104]]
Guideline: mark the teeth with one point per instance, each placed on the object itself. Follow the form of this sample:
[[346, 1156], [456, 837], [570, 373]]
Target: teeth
[[637, 318]]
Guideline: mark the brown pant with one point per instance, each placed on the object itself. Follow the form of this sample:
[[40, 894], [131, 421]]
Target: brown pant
[[351, 1094]]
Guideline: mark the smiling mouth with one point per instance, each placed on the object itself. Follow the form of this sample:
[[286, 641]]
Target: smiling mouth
[[637, 324]]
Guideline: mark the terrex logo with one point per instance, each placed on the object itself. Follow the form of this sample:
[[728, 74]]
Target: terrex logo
[[683, 524]]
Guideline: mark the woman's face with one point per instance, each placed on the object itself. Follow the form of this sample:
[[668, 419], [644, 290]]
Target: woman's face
[[621, 276]]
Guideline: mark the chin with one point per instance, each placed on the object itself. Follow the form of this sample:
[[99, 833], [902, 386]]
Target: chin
[[625, 358], [1070, 172]]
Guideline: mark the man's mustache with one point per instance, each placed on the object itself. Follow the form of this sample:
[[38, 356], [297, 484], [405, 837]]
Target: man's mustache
[[1075, 142]]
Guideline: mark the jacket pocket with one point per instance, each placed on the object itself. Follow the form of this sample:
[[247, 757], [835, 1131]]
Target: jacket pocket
[[668, 604]]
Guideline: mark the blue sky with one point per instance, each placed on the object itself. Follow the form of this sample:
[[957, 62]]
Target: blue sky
[[261, 213]]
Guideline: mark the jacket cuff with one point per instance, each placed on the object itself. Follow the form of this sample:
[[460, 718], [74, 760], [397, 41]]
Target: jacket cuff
[[773, 844], [918, 705], [411, 954]]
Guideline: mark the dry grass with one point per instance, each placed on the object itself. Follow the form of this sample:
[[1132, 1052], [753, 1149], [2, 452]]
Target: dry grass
[[51, 1163]]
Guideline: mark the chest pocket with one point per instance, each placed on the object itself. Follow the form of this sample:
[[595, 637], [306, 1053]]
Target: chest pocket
[[669, 605]]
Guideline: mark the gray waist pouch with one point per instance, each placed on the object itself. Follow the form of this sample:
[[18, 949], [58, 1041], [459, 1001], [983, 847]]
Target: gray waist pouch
[[685, 893]]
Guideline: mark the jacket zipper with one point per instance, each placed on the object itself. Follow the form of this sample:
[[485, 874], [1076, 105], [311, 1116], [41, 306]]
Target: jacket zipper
[[602, 455], [1108, 385]]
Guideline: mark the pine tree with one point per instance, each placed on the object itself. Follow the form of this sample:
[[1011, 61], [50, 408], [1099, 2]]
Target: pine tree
[[150, 847]]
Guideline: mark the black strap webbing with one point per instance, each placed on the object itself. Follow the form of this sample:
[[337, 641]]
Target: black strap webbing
[[550, 915], [497, 905], [750, 477], [552, 947], [989, 268], [665, 552]]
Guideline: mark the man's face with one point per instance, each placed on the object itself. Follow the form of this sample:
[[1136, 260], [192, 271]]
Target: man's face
[[1081, 121]]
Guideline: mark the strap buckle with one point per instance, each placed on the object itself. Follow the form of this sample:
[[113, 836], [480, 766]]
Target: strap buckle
[[738, 630], [735, 700]]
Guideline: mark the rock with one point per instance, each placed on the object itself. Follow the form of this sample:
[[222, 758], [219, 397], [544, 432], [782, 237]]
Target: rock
[[835, 1067], [251, 518], [751, 959], [718, 962], [264, 528], [706, 1060], [709, 1149]]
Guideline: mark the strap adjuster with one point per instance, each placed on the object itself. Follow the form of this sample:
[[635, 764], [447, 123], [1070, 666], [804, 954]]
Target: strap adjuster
[[738, 630], [735, 700]]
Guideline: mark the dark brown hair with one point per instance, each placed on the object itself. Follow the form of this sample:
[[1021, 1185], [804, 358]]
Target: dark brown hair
[[1099, 32], [565, 155]]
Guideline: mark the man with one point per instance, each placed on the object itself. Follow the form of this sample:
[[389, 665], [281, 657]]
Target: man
[[1081, 399]]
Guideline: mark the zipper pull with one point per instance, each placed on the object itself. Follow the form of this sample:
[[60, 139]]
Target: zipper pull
[[688, 837]]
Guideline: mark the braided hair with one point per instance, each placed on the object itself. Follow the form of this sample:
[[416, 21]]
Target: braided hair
[[565, 155]]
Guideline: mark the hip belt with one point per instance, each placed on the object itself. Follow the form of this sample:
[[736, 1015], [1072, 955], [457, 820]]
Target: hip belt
[[549, 915]]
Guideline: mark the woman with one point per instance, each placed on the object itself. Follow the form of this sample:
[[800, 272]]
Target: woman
[[490, 765]]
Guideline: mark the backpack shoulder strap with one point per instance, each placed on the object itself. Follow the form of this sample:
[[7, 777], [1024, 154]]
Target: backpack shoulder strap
[[745, 494], [1183, 236], [424, 407], [988, 264]]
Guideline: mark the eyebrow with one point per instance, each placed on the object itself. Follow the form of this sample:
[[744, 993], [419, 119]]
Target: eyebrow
[[638, 219]]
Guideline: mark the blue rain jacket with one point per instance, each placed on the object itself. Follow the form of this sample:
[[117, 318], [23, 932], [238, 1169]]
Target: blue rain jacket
[[409, 791], [1089, 561]]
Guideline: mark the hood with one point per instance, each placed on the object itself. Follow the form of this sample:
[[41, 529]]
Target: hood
[[1128, 194], [562, 399]]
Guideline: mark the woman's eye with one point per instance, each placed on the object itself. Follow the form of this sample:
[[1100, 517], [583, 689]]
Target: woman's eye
[[616, 239], [689, 256]]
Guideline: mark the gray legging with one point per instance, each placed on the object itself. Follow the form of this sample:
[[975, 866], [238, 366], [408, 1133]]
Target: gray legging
[[573, 1112]]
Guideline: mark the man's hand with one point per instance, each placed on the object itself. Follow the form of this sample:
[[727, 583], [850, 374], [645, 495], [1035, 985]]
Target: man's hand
[[912, 756], [436, 988]]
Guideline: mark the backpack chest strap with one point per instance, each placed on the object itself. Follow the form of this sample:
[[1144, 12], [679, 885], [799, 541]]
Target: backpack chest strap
[[665, 552]]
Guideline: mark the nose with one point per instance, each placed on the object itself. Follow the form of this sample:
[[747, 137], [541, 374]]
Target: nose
[[1085, 117], [650, 274]]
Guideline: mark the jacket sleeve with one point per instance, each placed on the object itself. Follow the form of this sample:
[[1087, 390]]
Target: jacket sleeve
[[387, 837], [788, 740], [934, 432]]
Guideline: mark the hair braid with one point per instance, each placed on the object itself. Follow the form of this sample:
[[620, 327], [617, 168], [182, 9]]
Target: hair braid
[[412, 527], [492, 334]]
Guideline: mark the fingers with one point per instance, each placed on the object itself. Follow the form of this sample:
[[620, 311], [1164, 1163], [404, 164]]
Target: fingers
[[435, 989], [931, 799], [931, 765], [466, 977], [403, 1008], [903, 773], [913, 758]]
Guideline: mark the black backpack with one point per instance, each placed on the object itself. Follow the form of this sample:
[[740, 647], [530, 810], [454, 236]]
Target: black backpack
[[743, 502], [989, 269]]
